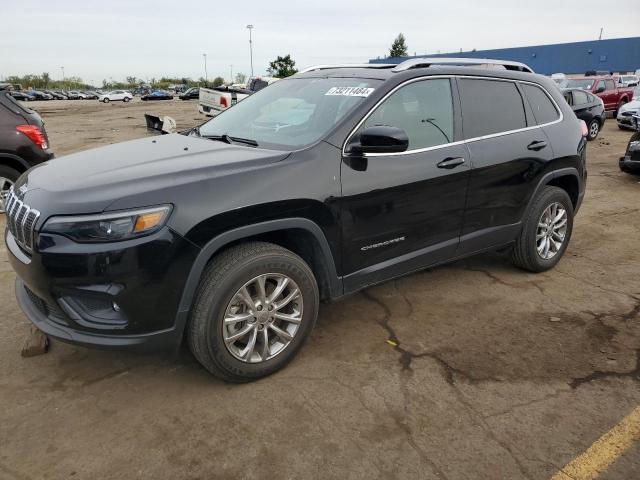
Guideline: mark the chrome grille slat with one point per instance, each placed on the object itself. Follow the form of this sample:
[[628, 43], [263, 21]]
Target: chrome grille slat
[[21, 221]]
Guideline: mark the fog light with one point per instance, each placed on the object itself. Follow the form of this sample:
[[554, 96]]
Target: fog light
[[116, 307]]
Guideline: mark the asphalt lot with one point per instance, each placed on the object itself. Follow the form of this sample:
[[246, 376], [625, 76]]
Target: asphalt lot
[[474, 370]]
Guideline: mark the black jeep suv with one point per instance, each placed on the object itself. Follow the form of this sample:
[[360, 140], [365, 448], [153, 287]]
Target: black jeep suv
[[319, 185]]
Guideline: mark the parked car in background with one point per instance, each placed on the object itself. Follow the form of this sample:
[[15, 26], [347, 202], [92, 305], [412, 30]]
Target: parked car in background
[[23, 142], [55, 95], [191, 94], [24, 96], [90, 95], [588, 108], [62, 94], [630, 162], [628, 80], [77, 95], [157, 95], [115, 96], [606, 88], [39, 95], [337, 178], [628, 110]]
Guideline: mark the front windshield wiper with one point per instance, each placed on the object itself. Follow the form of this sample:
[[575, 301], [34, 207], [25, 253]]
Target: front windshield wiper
[[229, 139]]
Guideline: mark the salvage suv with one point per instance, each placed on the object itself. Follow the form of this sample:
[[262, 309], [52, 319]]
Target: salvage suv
[[230, 234]]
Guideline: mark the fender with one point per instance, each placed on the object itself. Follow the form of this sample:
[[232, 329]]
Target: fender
[[561, 172], [14, 158], [214, 245]]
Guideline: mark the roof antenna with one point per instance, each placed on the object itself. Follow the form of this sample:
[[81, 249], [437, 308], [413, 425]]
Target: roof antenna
[[600, 37]]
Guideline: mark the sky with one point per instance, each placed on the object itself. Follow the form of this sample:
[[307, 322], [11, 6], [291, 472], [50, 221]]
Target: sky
[[116, 39]]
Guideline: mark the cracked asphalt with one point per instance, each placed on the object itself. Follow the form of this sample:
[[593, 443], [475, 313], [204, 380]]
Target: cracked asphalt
[[475, 370]]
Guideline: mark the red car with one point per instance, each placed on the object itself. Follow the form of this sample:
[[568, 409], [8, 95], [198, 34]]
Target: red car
[[604, 87]]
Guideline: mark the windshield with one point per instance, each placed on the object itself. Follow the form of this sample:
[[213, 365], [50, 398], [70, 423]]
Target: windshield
[[582, 83], [291, 113]]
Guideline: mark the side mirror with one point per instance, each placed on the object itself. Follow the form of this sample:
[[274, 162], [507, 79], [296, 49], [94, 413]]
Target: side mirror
[[381, 139], [599, 90]]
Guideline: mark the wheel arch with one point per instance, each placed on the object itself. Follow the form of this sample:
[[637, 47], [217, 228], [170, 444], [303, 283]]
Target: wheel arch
[[302, 236], [13, 161], [567, 179]]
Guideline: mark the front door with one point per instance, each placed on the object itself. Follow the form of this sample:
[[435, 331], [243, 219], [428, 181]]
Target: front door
[[404, 211]]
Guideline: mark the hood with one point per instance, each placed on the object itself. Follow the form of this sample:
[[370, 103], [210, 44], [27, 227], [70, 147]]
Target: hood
[[634, 105], [92, 180]]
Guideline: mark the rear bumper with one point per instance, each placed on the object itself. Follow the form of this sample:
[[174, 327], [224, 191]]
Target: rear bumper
[[629, 166]]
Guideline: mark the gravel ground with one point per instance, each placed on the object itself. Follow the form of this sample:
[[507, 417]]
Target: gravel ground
[[474, 370]]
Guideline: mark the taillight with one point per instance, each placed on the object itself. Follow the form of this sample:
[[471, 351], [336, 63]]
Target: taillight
[[583, 128], [223, 102], [34, 134]]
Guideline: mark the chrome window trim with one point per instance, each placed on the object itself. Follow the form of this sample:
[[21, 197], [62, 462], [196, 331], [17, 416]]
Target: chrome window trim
[[459, 142]]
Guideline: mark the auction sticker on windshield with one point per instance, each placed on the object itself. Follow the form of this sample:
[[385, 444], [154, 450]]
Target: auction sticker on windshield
[[350, 91]]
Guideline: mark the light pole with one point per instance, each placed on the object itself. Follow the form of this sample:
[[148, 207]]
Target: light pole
[[62, 68], [250, 27], [206, 76], [231, 66]]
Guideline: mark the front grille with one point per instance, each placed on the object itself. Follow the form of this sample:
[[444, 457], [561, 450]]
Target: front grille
[[21, 220]]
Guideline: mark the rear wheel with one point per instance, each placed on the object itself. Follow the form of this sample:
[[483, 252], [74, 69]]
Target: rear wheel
[[126, 99], [546, 231], [256, 304], [8, 177], [106, 100], [594, 129]]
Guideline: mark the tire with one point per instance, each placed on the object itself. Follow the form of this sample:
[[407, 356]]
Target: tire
[[8, 177], [106, 100], [594, 129], [126, 99], [525, 252], [218, 295]]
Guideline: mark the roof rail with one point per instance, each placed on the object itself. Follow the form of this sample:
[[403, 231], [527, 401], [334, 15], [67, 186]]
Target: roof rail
[[486, 62], [349, 65]]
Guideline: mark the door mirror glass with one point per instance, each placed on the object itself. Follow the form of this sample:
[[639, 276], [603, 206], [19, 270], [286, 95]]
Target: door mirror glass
[[382, 139]]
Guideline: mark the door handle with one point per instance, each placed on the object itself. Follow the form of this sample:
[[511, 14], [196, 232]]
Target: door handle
[[537, 145], [450, 163]]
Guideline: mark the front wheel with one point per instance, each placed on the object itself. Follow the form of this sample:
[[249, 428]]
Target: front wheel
[[106, 100], [546, 231], [126, 99], [255, 305], [594, 129]]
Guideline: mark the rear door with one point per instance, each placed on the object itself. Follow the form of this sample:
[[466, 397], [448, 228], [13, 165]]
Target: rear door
[[403, 211], [508, 152]]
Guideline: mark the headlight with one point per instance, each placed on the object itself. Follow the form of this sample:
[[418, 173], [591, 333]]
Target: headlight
[[110, 227]]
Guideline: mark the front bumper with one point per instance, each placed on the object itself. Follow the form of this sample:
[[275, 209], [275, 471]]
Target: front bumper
[[122, 295], [629, 166]]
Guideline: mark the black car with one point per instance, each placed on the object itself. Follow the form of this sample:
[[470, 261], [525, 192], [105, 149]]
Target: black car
[[230, 234], [55, 95], [21, 96], [192, 93], [23, 142], [39, 95], [157, 95], [587, 107], [630, 162]]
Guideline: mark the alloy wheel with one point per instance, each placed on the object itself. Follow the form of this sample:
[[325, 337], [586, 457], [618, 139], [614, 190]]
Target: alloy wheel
[[262, 318], [5, 185], [551, 231], [594, 128]]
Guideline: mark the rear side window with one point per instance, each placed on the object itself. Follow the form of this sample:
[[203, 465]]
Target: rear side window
[[490, 106], [424, 110], [610, 85], [579, 97], [543, 109]]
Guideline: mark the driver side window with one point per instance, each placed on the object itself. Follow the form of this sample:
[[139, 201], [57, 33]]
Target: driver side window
[[424, 110]]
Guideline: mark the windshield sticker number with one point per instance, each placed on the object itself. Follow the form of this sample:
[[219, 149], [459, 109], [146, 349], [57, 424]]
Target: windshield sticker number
[[350, 91]]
